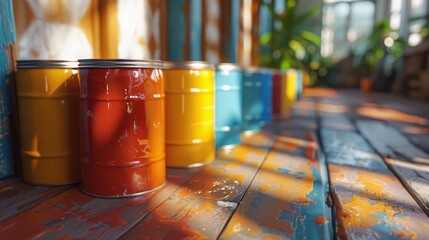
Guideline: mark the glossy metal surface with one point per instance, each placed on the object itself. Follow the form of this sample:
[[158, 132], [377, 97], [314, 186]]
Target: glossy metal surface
[[288, 92], [276, 96], [267, 95], [123, 124], [189, 116], [48, 104], [228, 110], [253, 106]]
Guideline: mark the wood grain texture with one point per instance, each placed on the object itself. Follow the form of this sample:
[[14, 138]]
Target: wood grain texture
[[370, 202], [17, 197], [287, 198], [418, 134], [73, 215], [203, 205], [408, 162]]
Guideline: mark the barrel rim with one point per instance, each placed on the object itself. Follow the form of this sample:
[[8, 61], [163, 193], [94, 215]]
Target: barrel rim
[[258, 70], [228, 67], [119, 63], [41, 63], [189, 65]]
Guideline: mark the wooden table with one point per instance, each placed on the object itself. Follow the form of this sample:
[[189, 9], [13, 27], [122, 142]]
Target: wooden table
[[345, 165]]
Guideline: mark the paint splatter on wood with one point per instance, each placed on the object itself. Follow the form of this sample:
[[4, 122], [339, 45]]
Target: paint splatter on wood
[[288, 193], [203, 205], [74, 214], [409, 162], [370, 201]]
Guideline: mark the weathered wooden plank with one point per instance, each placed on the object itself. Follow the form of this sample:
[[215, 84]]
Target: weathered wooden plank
[[74, 215], [418, 134], [370, 202], [203, 205], [408, 162], [17, 197], [339, 122], [280, 125], [287, 198]]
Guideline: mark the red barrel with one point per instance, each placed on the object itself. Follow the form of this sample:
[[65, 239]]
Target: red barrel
[[123, 127], [276, 97]]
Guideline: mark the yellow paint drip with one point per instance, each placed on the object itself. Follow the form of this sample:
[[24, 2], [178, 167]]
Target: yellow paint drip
[[375, 184], [359, 213]]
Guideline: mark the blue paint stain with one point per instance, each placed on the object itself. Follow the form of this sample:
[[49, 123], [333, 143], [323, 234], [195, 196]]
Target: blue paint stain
[[384, 228], [300, 173], [284, 171], [7, 39]]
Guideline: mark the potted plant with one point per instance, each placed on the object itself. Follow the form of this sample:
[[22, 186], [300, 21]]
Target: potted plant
[[376, 55], [291, 46]]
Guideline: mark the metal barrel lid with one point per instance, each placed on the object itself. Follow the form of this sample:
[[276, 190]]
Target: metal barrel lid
[[257, 70], [46, 64], [188, 65], [119, 63], [228, 67]]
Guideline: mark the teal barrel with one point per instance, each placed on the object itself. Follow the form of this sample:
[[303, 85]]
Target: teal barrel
[[229, 78]]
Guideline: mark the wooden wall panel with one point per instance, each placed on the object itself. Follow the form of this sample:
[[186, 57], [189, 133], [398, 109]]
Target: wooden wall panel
[[57, 29], [248, 41]]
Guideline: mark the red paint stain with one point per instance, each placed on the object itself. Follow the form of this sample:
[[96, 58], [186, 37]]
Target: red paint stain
[[320, 220], [112, 218], [303, 200], [310, 149], [34, 223]]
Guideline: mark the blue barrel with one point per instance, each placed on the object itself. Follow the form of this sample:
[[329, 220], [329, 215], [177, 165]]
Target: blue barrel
[[7, 39], [266, 94], [253, 107], [229, 78], [299, 83]]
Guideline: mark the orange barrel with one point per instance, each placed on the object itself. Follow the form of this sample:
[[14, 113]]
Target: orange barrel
[[123, 127], [190, 113], [48, 108]]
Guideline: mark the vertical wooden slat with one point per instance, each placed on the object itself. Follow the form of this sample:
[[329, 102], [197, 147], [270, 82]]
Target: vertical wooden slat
[[163, 28], [57, 29], [109, 28], [211, 31], [178, 30], [7, 67], [248, 42]]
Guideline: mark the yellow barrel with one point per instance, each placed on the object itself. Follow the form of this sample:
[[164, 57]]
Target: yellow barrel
[[189, 114], [48, 108], [288, 92]]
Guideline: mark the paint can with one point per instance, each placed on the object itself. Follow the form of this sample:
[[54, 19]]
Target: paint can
[[299, 84], [276, 95], [267, 95], [228, 120], [48, 109], [190, 100], [123, 126], [288, 92], [253, 106]]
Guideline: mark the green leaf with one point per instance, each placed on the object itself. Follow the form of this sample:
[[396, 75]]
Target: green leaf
[[307, 15], [285, 64], [311, 37], [266, 38]]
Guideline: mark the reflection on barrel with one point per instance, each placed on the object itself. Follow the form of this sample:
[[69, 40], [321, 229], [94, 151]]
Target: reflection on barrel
[[48, 103], [123, 122]]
